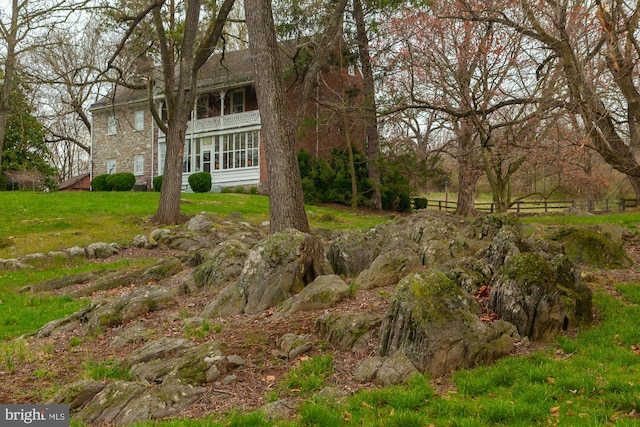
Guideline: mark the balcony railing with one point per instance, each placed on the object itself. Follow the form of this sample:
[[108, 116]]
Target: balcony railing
[[229, 121]]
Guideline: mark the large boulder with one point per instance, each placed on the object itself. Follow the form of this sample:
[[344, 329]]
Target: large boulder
[[280, 266], [597, 249], [387, 269], [355, 250], [123, 403], [221, 265], [437, 326], [540, 296], [347, 331], [324, 292], [128, 307]]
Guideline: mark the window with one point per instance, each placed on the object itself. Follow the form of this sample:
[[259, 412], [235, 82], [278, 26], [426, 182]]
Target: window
[[139, 123], [111, 125], [237, 101], [162, 154], [138, 165], [111, 166], [237, 150]]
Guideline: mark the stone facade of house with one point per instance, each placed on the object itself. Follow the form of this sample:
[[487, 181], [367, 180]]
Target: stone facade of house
[[224, 137]]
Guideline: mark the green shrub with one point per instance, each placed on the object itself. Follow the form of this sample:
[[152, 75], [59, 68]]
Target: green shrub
[[200, 182], [99, 183], [420, 203], [3, 182], [253, 190], [239, 190], [121, 181], [157, 183]]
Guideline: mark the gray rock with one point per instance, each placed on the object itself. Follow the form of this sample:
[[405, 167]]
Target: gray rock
[[280, 409], [33, 259], [158, 349], [347, 331], [222, 265], [387, 269], [156, 273], [540, 297], [76, 252], [280, 265], [160, 402], [292, 345], [386, 371], [58, 254], [324, 292], [436, 325], [134, 332], [101, 250], [159, 234], [189, 366], [106, 406], [231, 300], [123, 403], [235, 361], [129, 306], [142, 241], [71, 322], [77, 394], [199, 224], [355, 251]]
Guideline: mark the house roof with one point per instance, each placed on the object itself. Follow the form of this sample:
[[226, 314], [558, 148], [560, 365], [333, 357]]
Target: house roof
[[72, 181], [221, 71]]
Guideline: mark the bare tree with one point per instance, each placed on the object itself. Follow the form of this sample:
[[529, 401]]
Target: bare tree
[[472, 74], [285, 185], [25, 27], [594, 46], [184, 43]]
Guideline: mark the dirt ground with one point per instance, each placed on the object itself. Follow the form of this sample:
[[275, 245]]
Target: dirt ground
[[52, 363]]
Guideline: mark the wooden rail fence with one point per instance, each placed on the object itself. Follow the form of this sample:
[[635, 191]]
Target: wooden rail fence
[[546, 206]]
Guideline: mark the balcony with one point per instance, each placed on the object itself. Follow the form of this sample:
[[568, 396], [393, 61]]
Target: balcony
[[230, 121]]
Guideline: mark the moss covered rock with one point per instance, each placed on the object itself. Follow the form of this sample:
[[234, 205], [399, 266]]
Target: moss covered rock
[[585, 246], [436, 325], [540, 295]]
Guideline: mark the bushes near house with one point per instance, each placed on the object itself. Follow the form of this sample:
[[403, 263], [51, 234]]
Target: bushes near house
[[122, 181], [330, 181], [99, 183], [200, 182], [157, 183]]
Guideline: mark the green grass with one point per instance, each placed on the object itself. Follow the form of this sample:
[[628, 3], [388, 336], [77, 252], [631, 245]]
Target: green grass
[[43, 222], [22, 313]]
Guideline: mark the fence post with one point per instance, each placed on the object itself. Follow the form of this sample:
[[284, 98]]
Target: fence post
[[623, 204]]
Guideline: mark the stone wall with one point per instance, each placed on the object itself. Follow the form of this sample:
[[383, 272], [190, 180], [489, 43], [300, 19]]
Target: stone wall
[[126, 143]]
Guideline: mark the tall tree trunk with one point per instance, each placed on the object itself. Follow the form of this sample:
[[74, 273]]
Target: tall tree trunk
[[9, 70], [370, 109], [635, 184], [283, 172], [467, 170]]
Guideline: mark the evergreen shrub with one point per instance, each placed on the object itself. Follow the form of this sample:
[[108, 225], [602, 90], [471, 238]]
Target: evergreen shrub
[[200, 182], [121, 181], [99, 183], [157, 183]]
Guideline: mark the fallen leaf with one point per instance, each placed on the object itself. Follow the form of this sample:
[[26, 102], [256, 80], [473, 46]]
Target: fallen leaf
[[636, 349], [555, 411], [270, 378], [551, 380], [366, 405], [347, 416]]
